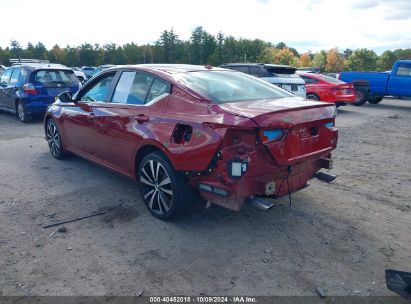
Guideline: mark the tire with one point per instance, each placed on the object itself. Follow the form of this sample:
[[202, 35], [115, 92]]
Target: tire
[[21, 113], [54, 140], [375, 100], [312, 96], [163, 189], [360, 97]]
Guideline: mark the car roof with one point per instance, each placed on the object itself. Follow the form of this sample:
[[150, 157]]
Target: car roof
[[38, 66], [173, 68], [257, 64]]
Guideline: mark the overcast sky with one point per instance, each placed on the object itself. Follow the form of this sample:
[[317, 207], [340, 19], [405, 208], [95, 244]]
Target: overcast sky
[[303, 24]]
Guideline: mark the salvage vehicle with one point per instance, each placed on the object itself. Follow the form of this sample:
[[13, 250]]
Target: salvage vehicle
[[325, 88], [180, 130], [373, 86], [29, 87], [283, 76]]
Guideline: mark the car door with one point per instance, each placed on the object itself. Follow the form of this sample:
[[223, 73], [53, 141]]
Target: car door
[[4, 86], [400, 82], [79, 120], [138, 104]]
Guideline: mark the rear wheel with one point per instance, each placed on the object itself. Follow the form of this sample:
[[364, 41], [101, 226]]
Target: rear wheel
[[360, 98], [164, 190], [22, 114], [312, 96], [375, 100], [54, 140]]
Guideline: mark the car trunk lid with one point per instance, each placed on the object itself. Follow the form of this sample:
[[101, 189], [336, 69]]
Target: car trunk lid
[[292, 129]]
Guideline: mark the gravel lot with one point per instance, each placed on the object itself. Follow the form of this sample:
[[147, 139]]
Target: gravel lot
[[340, 236]]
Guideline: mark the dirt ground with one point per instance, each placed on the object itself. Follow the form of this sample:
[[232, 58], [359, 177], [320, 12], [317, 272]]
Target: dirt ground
[[340, 236]]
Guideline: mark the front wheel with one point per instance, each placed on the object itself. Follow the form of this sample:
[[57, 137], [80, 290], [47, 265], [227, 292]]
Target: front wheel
[[22, 114], [163, 189], [54, 140]]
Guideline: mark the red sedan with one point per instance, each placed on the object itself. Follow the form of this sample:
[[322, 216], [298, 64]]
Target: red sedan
[[328, 89], [180, 130]]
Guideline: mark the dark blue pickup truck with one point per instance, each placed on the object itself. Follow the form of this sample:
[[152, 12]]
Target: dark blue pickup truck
[[373, 86]]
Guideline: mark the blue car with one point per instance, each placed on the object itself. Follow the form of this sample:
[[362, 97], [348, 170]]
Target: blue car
[[27, 89]]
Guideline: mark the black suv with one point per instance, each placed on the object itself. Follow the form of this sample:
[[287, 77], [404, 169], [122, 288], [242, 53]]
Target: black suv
[[27, 88]]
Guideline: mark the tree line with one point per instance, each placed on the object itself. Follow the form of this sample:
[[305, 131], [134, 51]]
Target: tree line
[[204, 48]]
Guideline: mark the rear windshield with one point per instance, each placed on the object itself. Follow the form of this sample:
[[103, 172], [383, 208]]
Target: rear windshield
[[283, 71], [329, 78], [229, 86], [51, 78]]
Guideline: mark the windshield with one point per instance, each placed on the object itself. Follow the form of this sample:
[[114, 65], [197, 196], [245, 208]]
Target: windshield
[[229, 86], [50, 78]]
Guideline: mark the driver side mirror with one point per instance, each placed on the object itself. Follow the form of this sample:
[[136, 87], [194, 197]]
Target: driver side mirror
[[65, 97]]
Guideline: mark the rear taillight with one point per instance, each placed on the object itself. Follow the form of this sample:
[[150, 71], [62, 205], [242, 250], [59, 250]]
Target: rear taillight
[[30, 89]]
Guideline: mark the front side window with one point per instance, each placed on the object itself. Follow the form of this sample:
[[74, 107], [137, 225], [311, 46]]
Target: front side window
[[99, 91], [133, 88], [404, 70], [5, 77], [229, 86]]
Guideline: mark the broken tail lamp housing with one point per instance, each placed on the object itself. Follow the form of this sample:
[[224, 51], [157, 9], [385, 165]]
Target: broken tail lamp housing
[[330, 125], [212, 189], [237, 168], [269, 135]]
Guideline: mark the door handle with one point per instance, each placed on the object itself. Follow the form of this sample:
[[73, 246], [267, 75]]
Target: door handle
[[142, 118], [91, 117]]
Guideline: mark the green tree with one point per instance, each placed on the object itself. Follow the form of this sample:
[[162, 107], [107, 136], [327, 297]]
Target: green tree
[[363, 60], [319, 60], [40, 51], [166, 46], [15, 49], [71, 56], [386, 60], [87, 54]]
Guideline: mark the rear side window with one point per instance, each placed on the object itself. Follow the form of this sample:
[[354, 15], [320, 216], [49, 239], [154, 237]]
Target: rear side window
[[309, 79], [159, 89], [404, 70], [52, 78], [256, 71], [5, 77], [243, 69], [15, 76]]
